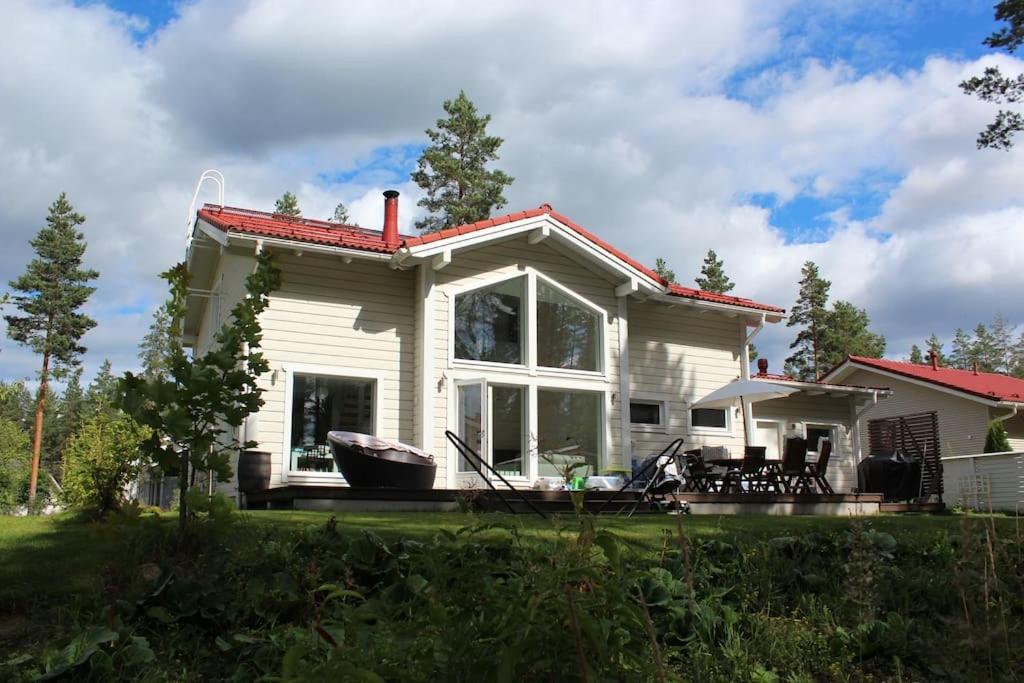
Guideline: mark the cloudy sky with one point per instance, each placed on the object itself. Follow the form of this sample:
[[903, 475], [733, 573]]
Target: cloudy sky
[[773, 132]]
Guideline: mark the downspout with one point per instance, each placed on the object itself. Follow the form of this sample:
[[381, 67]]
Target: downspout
[[1012, 413], [748, 420]]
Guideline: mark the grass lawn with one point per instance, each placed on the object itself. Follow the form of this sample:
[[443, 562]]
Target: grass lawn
[[57, 575], [44, 560]]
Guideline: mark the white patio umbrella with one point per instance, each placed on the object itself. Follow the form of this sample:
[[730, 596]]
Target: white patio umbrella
[[746, 391]]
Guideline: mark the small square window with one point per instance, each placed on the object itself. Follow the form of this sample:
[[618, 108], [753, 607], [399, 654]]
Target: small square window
[[645, 413], [709, 418]]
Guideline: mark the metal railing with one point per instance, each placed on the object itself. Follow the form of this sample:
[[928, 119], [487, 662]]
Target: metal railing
[[671, 451]]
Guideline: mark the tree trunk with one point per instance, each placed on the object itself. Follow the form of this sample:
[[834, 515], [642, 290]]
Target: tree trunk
[[182, 488], [37, 438]]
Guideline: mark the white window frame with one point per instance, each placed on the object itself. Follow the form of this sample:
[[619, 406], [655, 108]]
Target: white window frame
[[833, 429], [727, 429], [289, 475], [529, 351], [531, 383], [647, 399]]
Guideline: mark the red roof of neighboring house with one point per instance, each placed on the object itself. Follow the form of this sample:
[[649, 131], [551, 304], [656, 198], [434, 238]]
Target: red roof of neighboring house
[[265, 224], [988, 385]]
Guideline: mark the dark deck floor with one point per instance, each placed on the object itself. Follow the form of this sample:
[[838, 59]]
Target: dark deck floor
[[338, 498]]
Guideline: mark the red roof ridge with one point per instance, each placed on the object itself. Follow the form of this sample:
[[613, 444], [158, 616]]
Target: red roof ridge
[[356, 237]]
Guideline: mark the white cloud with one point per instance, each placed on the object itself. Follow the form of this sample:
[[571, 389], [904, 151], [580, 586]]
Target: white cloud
[[619, 115]]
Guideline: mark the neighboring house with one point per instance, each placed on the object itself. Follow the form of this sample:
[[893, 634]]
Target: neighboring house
[[965, 401], [521, 333]]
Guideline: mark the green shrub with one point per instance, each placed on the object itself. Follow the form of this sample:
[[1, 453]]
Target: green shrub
[[996, 439], [102, 460], [15, 458]]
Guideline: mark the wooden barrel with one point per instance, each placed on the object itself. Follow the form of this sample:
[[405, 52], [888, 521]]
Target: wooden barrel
[[253, 471]]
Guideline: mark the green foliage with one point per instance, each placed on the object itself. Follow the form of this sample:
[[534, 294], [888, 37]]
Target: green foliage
[[934, 345], [809, 314], [15, 456], [193, 412], [341, 215], [846, 333], [102, 394], [485, 603], [993, 87], [453, 169], [157, 348], [102, 459], [287, 205], [712, 276], [916, 356], [663, 271], [996, 438], [51, 291]]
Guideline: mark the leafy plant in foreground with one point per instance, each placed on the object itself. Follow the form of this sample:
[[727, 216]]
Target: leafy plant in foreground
[[193, 410]]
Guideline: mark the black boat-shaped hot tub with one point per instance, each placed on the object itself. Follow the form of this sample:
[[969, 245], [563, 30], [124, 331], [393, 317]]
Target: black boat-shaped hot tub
[[369, 461]]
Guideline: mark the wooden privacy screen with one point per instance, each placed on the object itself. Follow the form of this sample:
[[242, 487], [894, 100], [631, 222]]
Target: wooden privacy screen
[[916, 436]]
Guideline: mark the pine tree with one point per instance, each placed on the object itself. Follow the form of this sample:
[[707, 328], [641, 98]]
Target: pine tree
[[51, 291], [810, 315], [1018, 358], [1001, 335], [916, 357], [341, 215], [994, 87], [101, 395], [983, 350], [453, 169], [846, 333], [287, 205], [962, 353], [712, 276], [155, 349], [934, 345], [663, 271], [72, 404]]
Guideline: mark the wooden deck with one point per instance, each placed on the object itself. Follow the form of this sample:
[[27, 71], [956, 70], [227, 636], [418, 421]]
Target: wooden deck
[[367, 499]]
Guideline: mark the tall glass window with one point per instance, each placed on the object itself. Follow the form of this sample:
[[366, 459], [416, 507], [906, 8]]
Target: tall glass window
[[508, 430], [568, 335], [489, 323], [322, 403], [568, 430]]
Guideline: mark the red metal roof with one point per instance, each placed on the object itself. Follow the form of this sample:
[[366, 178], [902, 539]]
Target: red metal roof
[[265, 224], [988, 385]]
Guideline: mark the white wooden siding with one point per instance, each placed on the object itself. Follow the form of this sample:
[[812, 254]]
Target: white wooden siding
[[799, 410], [680, 355], [328, 313], [962, 421]]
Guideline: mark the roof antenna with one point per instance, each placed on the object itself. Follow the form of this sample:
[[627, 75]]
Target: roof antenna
[[209, 174]]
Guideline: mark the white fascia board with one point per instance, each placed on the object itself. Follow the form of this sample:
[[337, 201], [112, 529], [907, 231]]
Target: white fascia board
[[754, 315], [529, 225], [310, 247], [847, 367], [218, 236]]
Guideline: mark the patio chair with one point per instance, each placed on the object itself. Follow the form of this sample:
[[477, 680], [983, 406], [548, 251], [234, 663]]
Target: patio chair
[[752, 471], [793, 473], [700, 477], [817, 470]]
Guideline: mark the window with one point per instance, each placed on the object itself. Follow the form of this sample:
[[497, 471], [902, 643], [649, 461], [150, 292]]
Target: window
[[709, 418], [322, 403], [815, 433], [568, 334], [568, 430], [489, 323], [508, 430], [646, 413]]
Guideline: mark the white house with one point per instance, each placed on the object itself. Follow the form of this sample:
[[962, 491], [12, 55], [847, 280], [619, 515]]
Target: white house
[[522, 333]]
